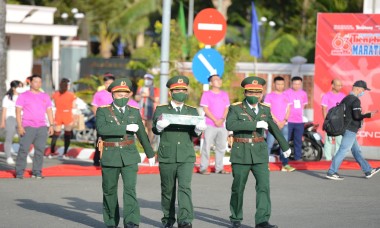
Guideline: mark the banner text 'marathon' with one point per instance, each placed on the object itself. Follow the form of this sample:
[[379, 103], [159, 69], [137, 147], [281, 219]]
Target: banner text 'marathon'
[[365, 49]]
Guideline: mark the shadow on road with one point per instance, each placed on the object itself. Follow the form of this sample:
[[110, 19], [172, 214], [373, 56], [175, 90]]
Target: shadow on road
[[197, 215], [74, 213]]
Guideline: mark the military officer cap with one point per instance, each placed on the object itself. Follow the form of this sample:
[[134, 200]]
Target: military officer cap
[[253, 83], [120, 85], [178, 82]]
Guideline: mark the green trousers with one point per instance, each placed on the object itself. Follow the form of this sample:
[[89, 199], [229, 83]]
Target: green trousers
[[240, 174], [110, 177], [170, 173]]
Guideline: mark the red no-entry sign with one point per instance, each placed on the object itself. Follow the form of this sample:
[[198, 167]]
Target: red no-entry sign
[[209, 26]]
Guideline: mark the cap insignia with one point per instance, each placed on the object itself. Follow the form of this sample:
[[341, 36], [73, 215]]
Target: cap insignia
[[255, 82], [123, 83]]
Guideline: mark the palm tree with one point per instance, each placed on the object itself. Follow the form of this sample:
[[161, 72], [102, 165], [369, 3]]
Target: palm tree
[[134, 21], [3, 48], [127, 19]]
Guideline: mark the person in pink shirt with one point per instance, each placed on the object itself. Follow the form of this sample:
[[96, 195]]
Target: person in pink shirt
[[298, 99], [133, 103], [279, 107], [329, 100], [101, 98], [215, 103], [31, 126]]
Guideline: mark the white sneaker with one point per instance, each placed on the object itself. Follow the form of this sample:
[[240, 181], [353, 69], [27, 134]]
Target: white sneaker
[[29, 160], [10, 161]]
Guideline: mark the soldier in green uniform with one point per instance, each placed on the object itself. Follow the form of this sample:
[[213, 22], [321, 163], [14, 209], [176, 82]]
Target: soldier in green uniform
[[118, 123], [176, 155], [248, 120]]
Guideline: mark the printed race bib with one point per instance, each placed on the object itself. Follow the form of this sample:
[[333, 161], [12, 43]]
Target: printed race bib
[[297, 104]]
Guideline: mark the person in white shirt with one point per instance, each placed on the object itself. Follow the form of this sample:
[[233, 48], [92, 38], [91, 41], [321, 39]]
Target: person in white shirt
[[8, 117]]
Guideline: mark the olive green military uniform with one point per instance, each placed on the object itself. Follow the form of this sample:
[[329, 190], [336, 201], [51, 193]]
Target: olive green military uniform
[[122, 160], [176, 158], [251, 156]]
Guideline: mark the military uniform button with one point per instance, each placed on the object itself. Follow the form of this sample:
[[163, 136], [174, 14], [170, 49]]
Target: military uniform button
[[179, 142], [252, 144], [121, 147]]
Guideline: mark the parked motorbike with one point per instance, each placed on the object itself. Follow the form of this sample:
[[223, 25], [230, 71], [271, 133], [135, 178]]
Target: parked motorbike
[[312, 145], [88, 134]]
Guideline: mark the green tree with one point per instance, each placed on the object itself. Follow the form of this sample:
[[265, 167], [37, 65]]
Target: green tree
[[110, 19], [90, 84]]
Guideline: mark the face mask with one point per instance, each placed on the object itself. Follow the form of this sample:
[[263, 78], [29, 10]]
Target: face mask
[[148, 82], [20, 89], [252, 99], [180, 97], [361, 94], [121, 102]]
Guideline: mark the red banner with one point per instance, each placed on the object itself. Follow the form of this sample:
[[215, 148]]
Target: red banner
[[348, 48]]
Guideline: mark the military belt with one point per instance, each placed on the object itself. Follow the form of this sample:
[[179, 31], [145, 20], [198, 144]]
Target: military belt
[[116, 144], [249, 140]]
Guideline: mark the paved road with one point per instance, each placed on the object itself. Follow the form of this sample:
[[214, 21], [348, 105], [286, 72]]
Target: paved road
[[302, 199]]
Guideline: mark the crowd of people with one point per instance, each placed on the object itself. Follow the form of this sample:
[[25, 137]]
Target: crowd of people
[[254, 126]]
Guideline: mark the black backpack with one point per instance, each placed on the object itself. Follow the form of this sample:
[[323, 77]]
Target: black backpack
[[334, 123]]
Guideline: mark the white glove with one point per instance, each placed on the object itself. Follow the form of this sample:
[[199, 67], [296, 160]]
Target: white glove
[[200, 127], [152, 161], [162, 124], [287, 153], [262, 124], [132, 127]]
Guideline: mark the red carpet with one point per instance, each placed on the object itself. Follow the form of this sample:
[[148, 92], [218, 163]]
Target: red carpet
[[77, 170]]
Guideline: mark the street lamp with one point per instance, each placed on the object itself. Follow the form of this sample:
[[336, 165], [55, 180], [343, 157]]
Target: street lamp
[[264, 29], [76, 16], [264, 20]]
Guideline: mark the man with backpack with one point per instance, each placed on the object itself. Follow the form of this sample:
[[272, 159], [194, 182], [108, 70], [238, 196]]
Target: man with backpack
[[353, 121], [330, 100]]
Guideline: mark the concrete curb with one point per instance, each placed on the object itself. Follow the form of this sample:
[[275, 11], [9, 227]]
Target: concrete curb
[[87, 154]]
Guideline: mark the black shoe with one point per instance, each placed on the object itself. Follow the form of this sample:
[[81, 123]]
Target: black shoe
[[372, 172], [96, 164], [236, 224], [265, 225], [130, 225], [168, 225], [185, 225]]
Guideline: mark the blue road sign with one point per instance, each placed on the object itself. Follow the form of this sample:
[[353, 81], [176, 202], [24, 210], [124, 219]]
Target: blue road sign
[[207, 62]]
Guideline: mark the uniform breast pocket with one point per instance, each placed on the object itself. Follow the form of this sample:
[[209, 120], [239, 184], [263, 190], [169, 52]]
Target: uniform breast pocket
[[110, 119], [243, 118], [131, 120]]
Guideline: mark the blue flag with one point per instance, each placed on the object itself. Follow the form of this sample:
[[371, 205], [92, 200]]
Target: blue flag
[[255, 38]]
